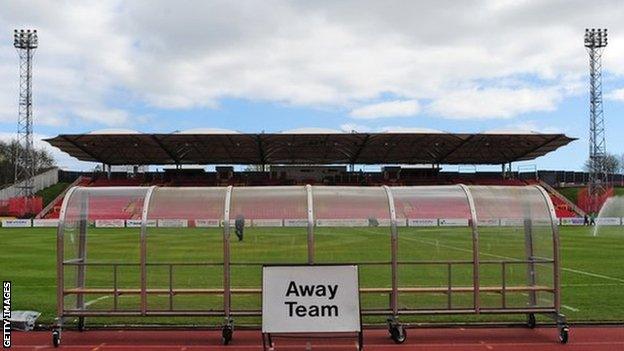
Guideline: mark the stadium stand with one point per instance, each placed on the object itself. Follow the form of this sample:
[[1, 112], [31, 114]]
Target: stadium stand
[[319, 157], [394, 176]]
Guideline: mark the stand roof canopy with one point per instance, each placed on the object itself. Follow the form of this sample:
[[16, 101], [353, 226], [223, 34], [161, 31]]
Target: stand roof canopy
[[217, 147]]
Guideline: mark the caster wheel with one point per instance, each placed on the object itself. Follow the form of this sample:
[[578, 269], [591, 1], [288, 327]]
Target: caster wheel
[[564, 334], [531, 323], [226, 335], [398, 334], [56, 338]]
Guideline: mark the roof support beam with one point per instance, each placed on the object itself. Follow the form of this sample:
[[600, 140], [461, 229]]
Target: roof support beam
[[550, 140], [359, 150], [442, 158], [164, 148], [83, 149], [261, 151]]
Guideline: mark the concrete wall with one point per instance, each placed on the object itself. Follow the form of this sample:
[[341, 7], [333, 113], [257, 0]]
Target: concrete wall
[[43, 180]]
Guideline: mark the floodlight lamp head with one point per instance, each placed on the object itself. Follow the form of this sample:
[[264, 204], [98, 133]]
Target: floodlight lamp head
[[595, 38], [25, 39]]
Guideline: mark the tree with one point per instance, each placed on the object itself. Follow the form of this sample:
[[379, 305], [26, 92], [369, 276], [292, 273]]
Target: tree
[[613, 164], [42, 158]]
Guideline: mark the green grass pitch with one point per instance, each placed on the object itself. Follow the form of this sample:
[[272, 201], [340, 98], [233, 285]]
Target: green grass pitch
[[592, 267]]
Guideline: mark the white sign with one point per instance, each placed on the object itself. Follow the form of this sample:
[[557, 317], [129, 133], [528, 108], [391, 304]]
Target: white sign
[[490, 222], [512, 222], [296, 222], [210, 223], [233, 222], [342, 222], [422, 222], [453, 222], [110, 223], [136, 223], [173, 223], [608, 221], [543, 222], [45, 223], [16, 223], [385, 222], [572, 221], [267, 222], [310, 299]]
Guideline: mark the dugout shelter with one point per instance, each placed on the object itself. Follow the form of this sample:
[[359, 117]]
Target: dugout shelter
[[422, 250]]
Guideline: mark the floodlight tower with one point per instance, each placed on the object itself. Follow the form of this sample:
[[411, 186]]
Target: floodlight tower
[[25, 41], [595, 42]]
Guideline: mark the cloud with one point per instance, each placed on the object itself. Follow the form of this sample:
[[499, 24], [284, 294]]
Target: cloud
[[397, 108], [531, 126], [494, 103], [615, 95], [62, 160], [352, 127], [76, 68], [99, 59]]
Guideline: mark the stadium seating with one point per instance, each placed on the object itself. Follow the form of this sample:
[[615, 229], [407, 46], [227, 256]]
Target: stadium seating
[[561, 208], [56, 208]]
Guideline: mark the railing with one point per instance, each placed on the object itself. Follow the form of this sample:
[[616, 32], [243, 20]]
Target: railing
[[58, 198], [503, 289], [558, 195]]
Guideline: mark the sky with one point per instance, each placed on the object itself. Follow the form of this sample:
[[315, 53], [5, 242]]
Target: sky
[[252, 66]]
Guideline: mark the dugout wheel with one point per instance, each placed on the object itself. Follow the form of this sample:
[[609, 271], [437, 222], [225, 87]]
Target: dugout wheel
[[564, 333], [226, 334], [398, 334], [56, 338], [397, 331], [531, 323]]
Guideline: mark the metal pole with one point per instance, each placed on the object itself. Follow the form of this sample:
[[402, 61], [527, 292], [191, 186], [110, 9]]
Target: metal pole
[[226, 253], [394, 247], [82, 247], [60, 256], [555, 233], [529, 253], [475, 248], [146, 203], [310, 224]]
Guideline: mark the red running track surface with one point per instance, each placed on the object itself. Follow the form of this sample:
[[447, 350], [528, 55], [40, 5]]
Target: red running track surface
[[431, 339]]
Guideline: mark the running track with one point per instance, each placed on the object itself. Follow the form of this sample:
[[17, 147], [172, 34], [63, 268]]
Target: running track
[[431, 339]]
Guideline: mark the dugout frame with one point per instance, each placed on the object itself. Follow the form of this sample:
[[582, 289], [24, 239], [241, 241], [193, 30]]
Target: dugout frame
[[478, 206]]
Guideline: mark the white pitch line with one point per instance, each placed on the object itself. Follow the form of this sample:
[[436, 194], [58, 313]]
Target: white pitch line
[[590, 285], [550, 302], [593, 274], [511, 258], [91, 302], [570, 308]]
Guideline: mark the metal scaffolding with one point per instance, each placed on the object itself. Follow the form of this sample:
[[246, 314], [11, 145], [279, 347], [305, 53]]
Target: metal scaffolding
[[595, 42], [25, 41]]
